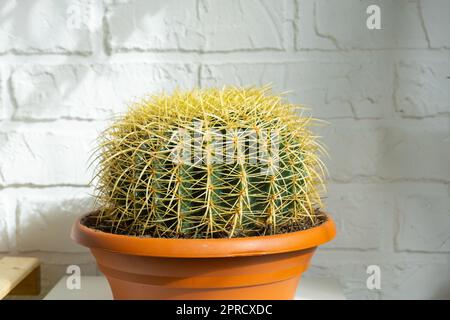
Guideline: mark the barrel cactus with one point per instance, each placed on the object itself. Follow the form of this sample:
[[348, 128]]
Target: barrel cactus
[[209, 163]]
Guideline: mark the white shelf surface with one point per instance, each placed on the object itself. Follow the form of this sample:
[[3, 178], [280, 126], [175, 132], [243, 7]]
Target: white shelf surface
[[97, 288]]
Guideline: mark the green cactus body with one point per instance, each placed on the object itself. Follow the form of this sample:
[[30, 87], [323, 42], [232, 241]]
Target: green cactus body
[[207, 164]]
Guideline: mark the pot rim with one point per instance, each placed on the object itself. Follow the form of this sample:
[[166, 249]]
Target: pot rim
[[204, 248]]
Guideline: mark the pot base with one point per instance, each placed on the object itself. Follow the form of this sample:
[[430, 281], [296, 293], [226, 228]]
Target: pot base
[[271, 277], [282, 290]]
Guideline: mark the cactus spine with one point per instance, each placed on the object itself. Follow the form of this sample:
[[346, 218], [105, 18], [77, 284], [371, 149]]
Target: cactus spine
[[209, 163]]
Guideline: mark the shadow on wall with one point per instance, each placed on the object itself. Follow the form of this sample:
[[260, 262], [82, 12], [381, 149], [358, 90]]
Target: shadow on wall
[[45, 217], [442, 292]]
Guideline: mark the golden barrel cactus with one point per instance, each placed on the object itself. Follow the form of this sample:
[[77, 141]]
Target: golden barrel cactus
[[209, 163]]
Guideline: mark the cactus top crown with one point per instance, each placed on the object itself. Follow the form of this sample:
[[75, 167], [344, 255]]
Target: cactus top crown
[[206, 163]]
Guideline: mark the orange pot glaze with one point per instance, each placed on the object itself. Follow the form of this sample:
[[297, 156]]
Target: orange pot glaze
[[266, 267]]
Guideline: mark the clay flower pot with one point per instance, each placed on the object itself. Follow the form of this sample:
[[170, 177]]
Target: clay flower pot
[[264, 267]]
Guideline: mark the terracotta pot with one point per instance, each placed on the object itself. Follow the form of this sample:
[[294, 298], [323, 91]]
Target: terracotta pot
[[266, 267]]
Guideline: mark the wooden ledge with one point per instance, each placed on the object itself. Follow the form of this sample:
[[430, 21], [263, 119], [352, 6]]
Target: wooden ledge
[[19, 276]]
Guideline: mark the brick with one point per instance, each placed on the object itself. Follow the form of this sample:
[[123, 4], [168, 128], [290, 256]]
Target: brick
[[2, 107], [353, 149], [388, 149], [422, 88], [45, 26], [47, 155], [436, 18], [320, 25], [45, 218], [402, 277], [331, 89], [242, 74], [350, 268], [5, 213], [417, 150], [196, 25], [420, 279], [424, 213], [91, 91], [342, 87], [358, 211]]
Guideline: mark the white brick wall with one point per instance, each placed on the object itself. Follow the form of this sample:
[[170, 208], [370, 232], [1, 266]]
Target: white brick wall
[[94, 91], [5, 244], [419, 92], [348, 86], [331, 26], [423, 219], [360, 210], [47, 215], [196, 25], [67, 66], [389, 149], [435, 15], [30, 26]]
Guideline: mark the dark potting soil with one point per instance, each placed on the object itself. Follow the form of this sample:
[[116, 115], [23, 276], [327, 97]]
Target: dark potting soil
[[91, 221]]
